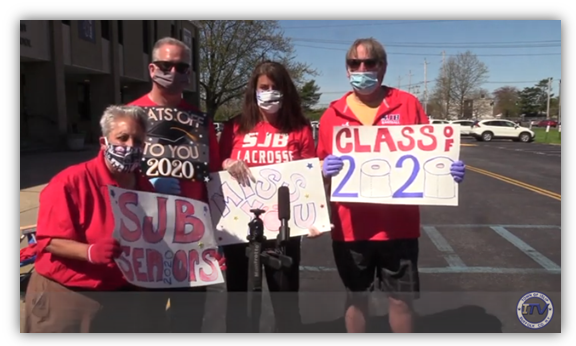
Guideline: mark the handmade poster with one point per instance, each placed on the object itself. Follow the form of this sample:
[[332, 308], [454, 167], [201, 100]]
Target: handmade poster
[[396, 164], [176, 145], [231, 203], [167, 241]]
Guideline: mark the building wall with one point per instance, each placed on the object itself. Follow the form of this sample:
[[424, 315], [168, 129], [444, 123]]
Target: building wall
[[71, 70]]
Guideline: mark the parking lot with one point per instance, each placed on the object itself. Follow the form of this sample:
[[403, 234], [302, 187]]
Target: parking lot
[[476, 260]]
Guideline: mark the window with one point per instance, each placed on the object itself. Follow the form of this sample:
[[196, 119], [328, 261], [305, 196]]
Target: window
[[84, 100], [508, 123], [87, 30], [492, 123], [145, 37], [105, 29], [121, 32]]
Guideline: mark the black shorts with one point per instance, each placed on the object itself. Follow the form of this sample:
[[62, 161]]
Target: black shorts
[[391, 264]]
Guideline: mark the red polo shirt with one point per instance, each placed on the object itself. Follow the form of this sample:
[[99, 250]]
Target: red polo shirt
[[367, 221], [192, 189], [75, 205], [265, 144]]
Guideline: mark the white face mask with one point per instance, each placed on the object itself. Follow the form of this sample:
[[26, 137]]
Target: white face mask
[[269, 101]]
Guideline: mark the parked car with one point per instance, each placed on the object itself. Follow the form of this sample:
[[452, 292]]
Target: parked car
[[465, 126], [486, 130], [439, 121], [546, 123]]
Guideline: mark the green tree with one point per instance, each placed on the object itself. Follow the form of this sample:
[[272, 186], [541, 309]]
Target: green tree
[[229, 51], [314, 114], [507, 101], [533, 100], [309, 95]]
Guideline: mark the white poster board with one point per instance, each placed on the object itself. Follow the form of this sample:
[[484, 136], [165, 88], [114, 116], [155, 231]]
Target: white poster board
[[396, 164], [167, 241], [231, 203]]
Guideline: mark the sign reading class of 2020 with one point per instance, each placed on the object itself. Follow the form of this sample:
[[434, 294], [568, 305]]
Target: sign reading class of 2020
[[230, 203], [396, 164], [177, 144], [167, 241]]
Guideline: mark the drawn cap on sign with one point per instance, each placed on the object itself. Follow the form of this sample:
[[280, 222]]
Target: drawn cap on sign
[[173, 132]]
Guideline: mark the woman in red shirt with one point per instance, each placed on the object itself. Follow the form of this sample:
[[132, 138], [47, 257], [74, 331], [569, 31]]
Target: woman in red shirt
[[271, 129], [75, 286]]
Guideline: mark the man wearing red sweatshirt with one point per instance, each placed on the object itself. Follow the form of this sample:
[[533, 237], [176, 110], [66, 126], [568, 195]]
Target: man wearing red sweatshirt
[[181, 133], [372, 239]]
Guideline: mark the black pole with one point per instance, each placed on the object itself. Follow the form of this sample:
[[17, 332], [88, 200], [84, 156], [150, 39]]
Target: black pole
[[258, 256], [253, 251]]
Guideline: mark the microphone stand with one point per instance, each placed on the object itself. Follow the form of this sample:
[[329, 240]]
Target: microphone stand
[[259, 257]]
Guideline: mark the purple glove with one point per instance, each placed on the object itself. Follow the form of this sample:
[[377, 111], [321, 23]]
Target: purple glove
[[457, 171], [332, 166]]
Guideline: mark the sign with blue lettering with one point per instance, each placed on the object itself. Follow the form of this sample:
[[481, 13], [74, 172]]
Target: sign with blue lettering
[[396, 164]]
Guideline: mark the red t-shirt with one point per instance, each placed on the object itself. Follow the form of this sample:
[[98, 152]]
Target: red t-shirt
[[75, 205], [265, 144], [367, 221], [192, 189]]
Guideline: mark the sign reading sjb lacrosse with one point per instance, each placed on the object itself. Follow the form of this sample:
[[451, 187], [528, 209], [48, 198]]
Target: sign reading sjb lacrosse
[[396, 164]]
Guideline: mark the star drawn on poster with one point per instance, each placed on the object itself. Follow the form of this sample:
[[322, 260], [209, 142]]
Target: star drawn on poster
[[309, 166]]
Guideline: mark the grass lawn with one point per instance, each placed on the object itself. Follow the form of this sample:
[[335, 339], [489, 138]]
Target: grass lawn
[[553, 137]]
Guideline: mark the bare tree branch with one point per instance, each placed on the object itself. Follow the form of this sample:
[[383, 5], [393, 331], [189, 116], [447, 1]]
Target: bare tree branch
[[231, 50]]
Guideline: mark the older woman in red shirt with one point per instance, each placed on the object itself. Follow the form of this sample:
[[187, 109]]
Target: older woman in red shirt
[[75, 284]]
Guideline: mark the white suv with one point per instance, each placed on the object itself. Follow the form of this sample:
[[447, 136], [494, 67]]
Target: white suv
[[486, 130], [465, 126]]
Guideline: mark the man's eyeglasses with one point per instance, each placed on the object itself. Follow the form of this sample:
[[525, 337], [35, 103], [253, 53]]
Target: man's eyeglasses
[[368, 63], [166, 66]]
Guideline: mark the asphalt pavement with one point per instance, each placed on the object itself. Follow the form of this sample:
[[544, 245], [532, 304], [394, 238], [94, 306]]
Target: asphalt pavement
[[477, 260]]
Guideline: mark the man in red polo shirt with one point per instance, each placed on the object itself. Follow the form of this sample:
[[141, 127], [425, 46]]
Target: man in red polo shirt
[[373, 239], [180, 151]]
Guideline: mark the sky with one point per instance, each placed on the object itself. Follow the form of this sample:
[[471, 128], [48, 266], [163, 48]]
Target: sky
[[517, 52]]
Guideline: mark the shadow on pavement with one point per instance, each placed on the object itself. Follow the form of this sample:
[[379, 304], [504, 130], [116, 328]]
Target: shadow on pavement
[[38, 168], [466, 319]]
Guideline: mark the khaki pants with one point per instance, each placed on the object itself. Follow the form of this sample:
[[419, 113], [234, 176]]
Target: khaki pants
[[54, 308]]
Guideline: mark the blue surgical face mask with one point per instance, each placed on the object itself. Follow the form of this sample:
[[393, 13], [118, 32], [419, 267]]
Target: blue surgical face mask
[[364, 82]]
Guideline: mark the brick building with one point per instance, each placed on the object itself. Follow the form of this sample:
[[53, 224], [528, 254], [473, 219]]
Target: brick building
[[70, 70]]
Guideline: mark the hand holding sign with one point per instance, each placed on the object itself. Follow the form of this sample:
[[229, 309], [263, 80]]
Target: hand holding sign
[[239, 171], [230, 202], [332, 165], [458, 170], [397, 164], [167, 241]]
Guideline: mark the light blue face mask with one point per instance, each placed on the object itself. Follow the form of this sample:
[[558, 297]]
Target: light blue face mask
[[364, 82]]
